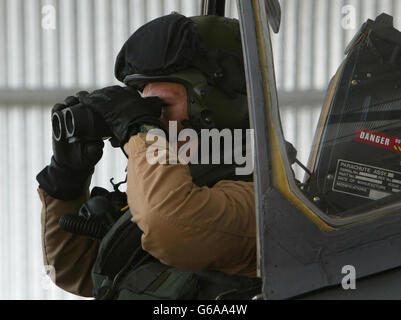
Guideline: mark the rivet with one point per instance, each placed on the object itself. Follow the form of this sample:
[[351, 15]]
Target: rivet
[[207, 120], [218, 74]]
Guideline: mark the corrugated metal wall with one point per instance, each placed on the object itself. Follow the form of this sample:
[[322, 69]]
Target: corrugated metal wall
[[41, 65]]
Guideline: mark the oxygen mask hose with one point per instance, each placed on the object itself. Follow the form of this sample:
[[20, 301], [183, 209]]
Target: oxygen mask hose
[[80, 226]]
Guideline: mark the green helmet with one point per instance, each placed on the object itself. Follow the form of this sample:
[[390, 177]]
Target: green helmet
[[203, 53]]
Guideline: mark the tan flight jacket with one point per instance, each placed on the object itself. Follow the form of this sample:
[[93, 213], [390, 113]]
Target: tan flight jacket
[[183, 225]]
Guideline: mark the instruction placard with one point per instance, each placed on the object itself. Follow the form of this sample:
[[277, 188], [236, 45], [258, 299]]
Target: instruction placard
[[365, 181]]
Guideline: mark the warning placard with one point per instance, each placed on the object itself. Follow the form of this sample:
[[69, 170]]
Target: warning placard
[[365, 181], [378, 139]]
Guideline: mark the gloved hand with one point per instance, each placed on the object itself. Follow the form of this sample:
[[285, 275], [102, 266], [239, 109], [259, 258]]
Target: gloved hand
[[70, 171], [124, 111]]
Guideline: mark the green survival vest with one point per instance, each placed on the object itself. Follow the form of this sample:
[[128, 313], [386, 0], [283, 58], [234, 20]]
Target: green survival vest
[[123, 270]]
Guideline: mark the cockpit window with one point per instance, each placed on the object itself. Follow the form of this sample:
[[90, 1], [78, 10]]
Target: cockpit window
[[338, 74]]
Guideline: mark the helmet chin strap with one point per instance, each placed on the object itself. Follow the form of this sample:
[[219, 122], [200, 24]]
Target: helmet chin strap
[[187, 123]]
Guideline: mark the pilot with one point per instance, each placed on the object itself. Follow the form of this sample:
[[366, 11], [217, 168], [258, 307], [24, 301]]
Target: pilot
[[187, 71]]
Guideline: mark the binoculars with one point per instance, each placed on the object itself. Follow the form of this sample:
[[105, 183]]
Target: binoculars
[[78, 122]]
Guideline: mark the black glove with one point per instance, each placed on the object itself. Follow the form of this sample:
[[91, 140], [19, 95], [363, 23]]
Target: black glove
[[70, 171], [125, 111]]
